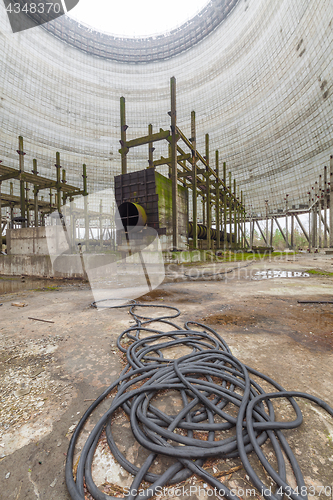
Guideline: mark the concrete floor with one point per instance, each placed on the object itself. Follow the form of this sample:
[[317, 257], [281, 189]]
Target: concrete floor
[[51, 372]]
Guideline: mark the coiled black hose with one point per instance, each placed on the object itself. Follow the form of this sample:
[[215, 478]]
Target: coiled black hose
[[218, 396]]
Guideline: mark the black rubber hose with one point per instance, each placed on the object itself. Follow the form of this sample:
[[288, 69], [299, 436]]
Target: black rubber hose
[[218, 395]]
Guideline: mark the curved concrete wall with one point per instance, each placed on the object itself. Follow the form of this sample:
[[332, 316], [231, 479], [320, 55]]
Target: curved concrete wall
[[261, 86]]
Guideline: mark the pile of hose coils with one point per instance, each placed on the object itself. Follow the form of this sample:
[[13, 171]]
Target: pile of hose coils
[[219, 399]]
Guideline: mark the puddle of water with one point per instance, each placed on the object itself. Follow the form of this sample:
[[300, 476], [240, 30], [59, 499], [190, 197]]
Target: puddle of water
[[264, 275], [10, 284]]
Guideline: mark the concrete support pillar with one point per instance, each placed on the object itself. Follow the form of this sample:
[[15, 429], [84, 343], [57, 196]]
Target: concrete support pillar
[[331, 201], [194, 181], [174, 165]]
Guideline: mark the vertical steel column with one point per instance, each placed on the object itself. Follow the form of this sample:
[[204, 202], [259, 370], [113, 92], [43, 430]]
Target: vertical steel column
[[235, 214], [85, 201], [251, 231], [331, 201], [325, 207], [203, 211], [230, 211], [287, 235], [224, 205], [151, 148], [63, 181], [242, 222], [194, 181], [123, 128], [72, 222], [319, 210], [174, 165], [58, 167], [292, 229], [0, 218], [11, 191], [101, 224], [36, 191], [208, 197], [272, 229], [21, 177], [217, 202], [315, 216], [310, 229], [266, 207], [27, 203]]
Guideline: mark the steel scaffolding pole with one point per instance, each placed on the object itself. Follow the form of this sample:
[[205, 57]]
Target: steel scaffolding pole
[[123, 128], [217, 202], [331, 201], [319, 210], [325, 207], [224, 206], [194, 181], [21, 177], [208, 196], [174, 165]]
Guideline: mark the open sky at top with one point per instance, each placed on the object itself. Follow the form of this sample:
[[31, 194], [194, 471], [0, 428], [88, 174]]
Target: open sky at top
[[135, 18]]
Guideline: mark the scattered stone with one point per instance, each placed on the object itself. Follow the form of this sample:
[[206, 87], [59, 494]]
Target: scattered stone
[[19, 304], [22, 391], [53, 483], [7, 475], [37, 372]]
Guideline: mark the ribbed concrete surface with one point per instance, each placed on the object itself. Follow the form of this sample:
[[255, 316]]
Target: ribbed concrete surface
[[261, 86]]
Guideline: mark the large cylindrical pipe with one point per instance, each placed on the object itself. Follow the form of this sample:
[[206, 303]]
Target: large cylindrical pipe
[[131, 216], [202, 233]]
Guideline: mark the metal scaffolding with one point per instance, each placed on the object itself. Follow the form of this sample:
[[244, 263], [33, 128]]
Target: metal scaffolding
[[39, 206], [195, 172]]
